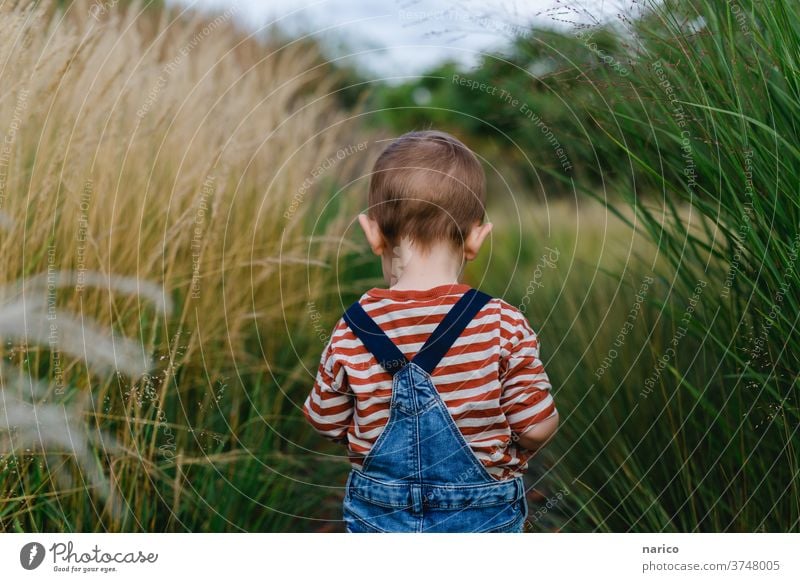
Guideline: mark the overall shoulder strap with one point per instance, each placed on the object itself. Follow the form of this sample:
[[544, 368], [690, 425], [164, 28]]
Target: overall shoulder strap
[[374, 339], [451, 327]]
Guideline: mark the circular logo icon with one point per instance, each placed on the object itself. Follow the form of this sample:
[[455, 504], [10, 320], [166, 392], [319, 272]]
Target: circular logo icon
[[31, 555]]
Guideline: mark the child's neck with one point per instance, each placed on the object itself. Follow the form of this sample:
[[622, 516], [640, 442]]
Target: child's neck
[[409, 268]]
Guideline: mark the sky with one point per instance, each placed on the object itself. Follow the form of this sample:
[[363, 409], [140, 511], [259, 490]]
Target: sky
[[399, 38]]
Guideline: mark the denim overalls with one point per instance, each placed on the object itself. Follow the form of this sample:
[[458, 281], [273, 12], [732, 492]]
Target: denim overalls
[[421, 475]]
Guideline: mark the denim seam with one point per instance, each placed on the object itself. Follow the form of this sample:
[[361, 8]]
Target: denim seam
[[347, 486], [396, 403], [453, 506], [417, 452], [464, 488], [435, 505], [447, 486], [392, 404], [496, 500], [366, 524], [496, 529], [379, 502], [482, 505]]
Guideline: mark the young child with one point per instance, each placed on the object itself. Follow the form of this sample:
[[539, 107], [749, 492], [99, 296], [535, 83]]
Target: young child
[[436, 388]]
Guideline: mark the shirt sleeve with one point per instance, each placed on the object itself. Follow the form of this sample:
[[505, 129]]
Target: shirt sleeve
[[329, 407], [525, 399]]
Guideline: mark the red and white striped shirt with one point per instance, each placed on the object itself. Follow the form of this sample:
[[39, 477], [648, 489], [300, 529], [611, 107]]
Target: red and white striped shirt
[[491, 379]]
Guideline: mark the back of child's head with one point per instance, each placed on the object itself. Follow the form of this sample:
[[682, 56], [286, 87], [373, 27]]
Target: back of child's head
[[429, 187]]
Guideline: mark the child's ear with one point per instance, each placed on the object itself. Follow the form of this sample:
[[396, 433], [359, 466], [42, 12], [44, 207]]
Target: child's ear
[[373, 233], [477, 234]]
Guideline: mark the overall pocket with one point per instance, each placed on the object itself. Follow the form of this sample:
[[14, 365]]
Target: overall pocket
[[362, 516]]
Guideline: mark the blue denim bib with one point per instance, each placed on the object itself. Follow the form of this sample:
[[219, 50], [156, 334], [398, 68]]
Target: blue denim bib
[[421, 475]]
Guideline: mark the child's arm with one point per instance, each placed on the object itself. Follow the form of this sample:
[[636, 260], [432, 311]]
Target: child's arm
[[329, 407], [526, 399], [540, 434]]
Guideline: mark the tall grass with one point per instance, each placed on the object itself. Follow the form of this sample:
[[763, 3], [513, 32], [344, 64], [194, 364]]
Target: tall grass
[[151, 148], [707, 117]]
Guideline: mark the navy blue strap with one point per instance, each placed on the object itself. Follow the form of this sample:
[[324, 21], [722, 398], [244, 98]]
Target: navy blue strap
[[446, 333], [451, 327], [374, 339]]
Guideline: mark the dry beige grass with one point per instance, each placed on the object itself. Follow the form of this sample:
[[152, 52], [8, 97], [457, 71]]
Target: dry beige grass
[[84, 164], [153, 160]]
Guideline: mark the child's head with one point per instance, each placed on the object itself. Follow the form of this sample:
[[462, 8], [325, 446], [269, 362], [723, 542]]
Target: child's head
[[427, 189]]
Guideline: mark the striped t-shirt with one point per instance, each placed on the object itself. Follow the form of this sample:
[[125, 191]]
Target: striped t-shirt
[[491, 379]]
